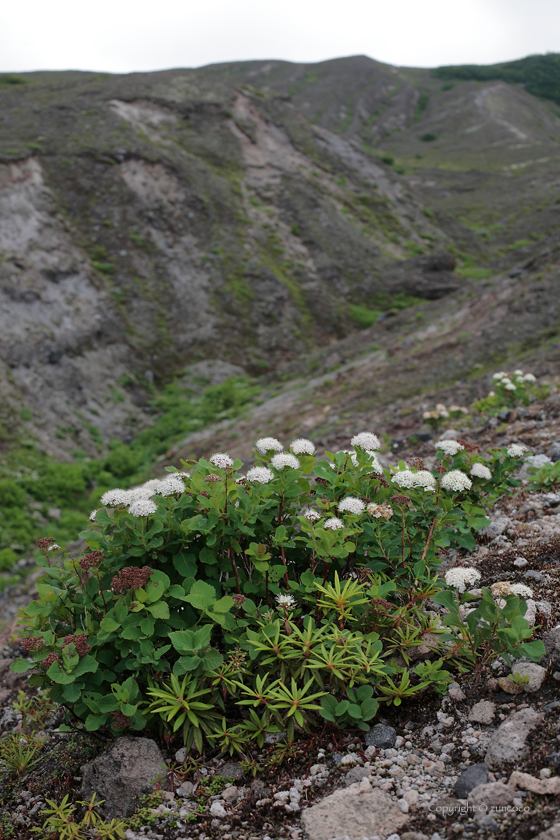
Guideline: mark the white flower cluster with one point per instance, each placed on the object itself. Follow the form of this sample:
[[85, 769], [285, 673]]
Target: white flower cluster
[[282, 460], [424, 478], [286, 601], [481, 471], [142, 507], [334, 523], [408, 479], [366, 440], [92, 515], [352, 505], [169, 486], [450, 447], [311, 514], [266, 444], [506, 379], [521, 590], [116, 497], [302, 446], [456, 480], [516, 450], [221, 460], [260, 475], [462, 576], [403, 478]]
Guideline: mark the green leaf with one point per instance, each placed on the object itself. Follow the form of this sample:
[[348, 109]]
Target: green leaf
[[341, 708], [159, 609], [202, 596], [109, 625], [71, 693], [189, 641], [224, 604], [20, 666], [93, 722]]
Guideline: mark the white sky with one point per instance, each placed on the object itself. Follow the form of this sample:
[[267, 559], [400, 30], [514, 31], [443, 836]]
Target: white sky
[[125, 35]]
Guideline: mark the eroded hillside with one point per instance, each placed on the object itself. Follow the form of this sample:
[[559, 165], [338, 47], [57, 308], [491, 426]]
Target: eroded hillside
[[153, 220]]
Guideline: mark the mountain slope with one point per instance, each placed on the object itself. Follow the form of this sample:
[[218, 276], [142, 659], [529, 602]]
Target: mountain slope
[[157, 219]]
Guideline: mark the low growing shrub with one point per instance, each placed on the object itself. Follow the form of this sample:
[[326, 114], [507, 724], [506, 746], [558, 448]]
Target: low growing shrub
[[279, 591]]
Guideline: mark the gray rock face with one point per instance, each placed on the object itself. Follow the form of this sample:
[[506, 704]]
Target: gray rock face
[[381, 736], [533, 461], [550, 834], [355, 815], [356, 774], [496, 527], [231, 770], [483, 712], [509, 741], [554, 452], [475, 775], [551, 642], [536, 674], [492, 795], [123, 774]]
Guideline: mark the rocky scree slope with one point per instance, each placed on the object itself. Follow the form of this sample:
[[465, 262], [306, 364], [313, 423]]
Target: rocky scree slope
[[152, 220], [386, 376]]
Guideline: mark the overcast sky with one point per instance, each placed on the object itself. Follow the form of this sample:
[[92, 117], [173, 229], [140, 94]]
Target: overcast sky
[[121, 36]]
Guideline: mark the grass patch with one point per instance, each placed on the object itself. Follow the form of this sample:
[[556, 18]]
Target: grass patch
[[475, 273]]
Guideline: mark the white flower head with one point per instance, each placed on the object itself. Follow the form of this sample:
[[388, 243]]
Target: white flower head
[[366, 440], [521, 590], [267, 444], [450, 447], [334, 524], [260, 475], [481, 471], [115, 497], [221, 460], [142, 507], [92, 515], [352, 505], [302, 446], [516, 450], [518, 372], [529, 377], [284, 459], [286, 601], [311, 514], [491, 393], [142, 491], [403, 478], [509, 386], [424, 478], [462, 576], [170, 486], [54, 547], [499, 375], [456, 480]]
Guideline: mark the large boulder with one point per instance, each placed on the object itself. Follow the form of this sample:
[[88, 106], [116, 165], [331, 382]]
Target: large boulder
[[123, 775], [508, 743], [354, 814]]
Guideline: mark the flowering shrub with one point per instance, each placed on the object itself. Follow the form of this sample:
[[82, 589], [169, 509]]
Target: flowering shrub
[[510, 389], [300, 581]]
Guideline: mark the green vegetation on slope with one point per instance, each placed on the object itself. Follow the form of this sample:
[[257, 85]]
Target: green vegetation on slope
[[540, 74], [38, 493]]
